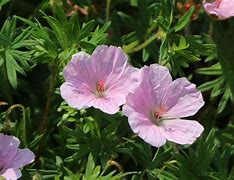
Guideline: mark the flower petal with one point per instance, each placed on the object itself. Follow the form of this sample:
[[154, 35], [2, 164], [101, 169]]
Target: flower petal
[[11, 174], [181, 131], [144, 128], [182, 99], [108, 60], [22, 158], [147, 93], [80, 71], [222, 9], [8, 148], [76, 97], [106, 105], [118, 87]]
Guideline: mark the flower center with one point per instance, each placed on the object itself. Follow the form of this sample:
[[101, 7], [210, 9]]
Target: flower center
[[100, 88], [157, 115]]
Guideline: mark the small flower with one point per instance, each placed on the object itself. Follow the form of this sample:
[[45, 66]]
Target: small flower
[[220, 9], [101, 80], [12, 157], [156, 104]]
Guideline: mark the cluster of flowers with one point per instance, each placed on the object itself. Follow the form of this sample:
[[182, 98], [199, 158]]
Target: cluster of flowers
[[220, 9], [152, 101], [12, 157]]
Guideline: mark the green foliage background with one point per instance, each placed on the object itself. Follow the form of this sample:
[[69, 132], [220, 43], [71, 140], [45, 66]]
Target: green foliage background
[[38, 38]]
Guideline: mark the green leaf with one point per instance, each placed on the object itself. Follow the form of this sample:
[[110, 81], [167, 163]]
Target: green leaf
[[210, 84], [24, 35], [212, 70], [145, 55], [11, 71], [224, 100], [90, 166], [184, 20], [86, 29]]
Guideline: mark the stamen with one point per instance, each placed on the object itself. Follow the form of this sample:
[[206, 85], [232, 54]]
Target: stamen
[[157, 115], [100, 86]]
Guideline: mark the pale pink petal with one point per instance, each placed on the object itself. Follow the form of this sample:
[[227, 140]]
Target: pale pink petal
[[106, 105], [118, 86], [223, 9], [181, 131], [182, 99], [144, 128], [140, 100], [157, 78], [108, 60], [80, 71], [76, 97], [148, 92], [11, 174], [160, 79]]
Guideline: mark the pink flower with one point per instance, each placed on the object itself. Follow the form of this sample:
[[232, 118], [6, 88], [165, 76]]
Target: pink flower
[[12, 157], [101, 80], [221, 9], [156, 104]]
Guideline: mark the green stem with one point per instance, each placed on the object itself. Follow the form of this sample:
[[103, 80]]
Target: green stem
[[155, 155], [108, 2], [143, 45], [22, 131]]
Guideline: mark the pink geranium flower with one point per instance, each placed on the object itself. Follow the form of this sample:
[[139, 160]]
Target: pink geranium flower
[[156, 105], [12, 157], [221, 9], [101, 80]]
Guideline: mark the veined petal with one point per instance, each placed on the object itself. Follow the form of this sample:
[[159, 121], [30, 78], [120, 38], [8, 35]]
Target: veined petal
[[109, 60], [160, 78], [22, 158], [182, 99], [181, 131], [106, 105], [76, 98], [144, 128], [80, 71]]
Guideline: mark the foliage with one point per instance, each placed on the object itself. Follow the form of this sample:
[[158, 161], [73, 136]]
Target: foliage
[[86, 144]]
